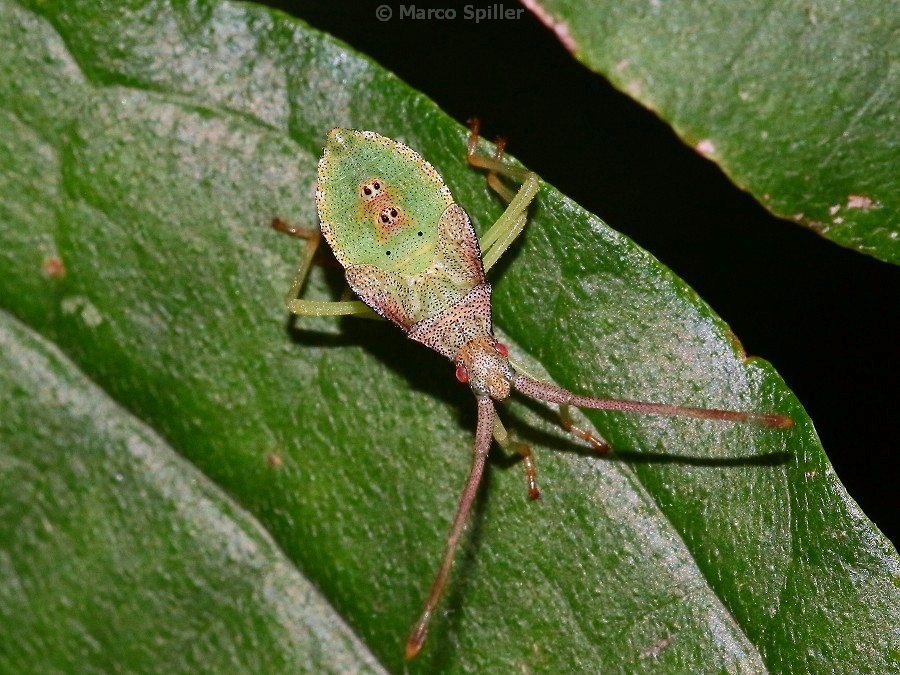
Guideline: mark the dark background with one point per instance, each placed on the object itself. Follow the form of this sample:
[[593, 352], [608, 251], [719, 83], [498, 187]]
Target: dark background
[[825, 316]]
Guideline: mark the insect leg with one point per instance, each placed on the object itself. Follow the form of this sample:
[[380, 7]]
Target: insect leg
[[565, 417], [493, 180], [295, 305], [510, 224], [493, 164], [509, 445], [566, 422], [479, 457]]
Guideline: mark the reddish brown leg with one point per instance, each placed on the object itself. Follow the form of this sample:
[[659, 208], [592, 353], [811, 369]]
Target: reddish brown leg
[[600, 446], [524, 451], [311, 233], [493, 164], [530, 471], [508, 226], [483, 435]]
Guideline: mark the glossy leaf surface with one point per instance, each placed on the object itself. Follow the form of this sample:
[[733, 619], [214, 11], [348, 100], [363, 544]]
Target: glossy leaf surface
[[796, 102], [144, 150]]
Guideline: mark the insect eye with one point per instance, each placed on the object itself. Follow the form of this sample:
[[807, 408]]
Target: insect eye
[[461, 374], [501, 349]]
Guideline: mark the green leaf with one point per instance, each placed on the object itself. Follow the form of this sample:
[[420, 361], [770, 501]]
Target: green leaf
[[143, 150], [117, 554], [795, 101]]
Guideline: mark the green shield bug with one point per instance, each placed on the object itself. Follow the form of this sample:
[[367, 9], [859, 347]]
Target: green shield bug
[[410, 253]]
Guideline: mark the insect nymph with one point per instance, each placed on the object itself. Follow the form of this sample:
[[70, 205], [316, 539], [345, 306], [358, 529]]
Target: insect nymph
[[411, 254]]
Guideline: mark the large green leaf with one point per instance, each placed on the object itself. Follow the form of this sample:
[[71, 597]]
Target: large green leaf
[[145, 563], [797, 102], [145, 148]]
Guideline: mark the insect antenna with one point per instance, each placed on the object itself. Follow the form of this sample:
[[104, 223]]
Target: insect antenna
[[483, 434], [553, 394]]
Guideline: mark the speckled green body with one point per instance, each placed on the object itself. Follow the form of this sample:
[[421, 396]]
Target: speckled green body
[[409, 251]]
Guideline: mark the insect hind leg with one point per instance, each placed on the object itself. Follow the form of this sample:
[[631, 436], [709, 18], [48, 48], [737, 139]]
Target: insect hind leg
[[493, 165], [510, 224]]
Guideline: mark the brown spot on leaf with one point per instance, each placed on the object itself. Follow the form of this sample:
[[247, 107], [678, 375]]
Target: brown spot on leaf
[[53, 267]]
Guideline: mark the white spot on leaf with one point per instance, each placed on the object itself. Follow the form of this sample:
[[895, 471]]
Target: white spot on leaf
[[76, 304], [706, 147], [860, 202]]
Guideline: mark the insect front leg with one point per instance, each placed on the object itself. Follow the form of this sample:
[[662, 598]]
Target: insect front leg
[[524, 450], [295, 305], [510, 224]]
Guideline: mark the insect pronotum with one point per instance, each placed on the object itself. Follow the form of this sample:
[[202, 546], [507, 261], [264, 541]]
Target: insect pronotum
[[411, 254]]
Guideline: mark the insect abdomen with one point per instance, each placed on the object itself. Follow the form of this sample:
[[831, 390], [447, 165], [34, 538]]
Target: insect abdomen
[[379, 202]]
